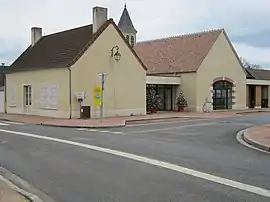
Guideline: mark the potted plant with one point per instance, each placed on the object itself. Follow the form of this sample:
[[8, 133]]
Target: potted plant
[[181, 102], [153, 100]]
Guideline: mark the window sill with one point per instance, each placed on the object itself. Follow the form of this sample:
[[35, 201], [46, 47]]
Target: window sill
[[49, 108]]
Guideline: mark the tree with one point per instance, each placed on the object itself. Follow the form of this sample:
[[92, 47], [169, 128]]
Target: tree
[[181, 101], [153, 100], [248, 64]]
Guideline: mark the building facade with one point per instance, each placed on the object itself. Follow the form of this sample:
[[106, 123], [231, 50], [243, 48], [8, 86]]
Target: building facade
[[59, 75]]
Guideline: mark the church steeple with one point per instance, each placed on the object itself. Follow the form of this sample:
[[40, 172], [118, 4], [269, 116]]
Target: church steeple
[[126, 26]]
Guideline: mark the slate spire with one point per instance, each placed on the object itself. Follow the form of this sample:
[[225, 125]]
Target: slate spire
[[125, 23]]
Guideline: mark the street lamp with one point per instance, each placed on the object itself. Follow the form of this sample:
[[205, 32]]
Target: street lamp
[[115, 53]]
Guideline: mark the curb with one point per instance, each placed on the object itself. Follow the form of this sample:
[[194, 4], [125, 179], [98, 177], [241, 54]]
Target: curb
[[86, 126], [22, 187], [7, 178], [4, 119], [165, 118], [254, 142], [251, 112]]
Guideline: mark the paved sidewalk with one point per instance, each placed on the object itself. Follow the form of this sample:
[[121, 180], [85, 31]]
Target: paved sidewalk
[[118, 121], [258, 136], [9, 195]]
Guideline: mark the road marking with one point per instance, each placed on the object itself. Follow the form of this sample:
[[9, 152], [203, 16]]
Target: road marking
[[100, 131], [240, 139], [4, 124], [230, 183], [15, 123]]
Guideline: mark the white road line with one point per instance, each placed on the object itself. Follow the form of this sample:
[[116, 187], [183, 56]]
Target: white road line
[[154, 162], [4, 124], [15, 123]]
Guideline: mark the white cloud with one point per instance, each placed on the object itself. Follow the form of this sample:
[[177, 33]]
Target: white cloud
[[254, 55], [153, 19]]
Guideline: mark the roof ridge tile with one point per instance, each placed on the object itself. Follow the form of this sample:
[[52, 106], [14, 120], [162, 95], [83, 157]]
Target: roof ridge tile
[[182, 35]]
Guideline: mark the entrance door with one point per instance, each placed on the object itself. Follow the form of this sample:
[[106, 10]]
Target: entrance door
[[265, 96], [252, 95], [168, 98], [222, 95], [27, 97]]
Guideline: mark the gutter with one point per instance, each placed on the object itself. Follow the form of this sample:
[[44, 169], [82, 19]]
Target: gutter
[[69, 89]]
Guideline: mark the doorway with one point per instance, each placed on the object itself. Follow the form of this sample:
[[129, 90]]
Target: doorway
[[27, 97], [222, 95], [265, 96], [252, 96], [166, 95]]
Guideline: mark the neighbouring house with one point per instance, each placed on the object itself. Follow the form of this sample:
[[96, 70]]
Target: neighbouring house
[[258, 90], [58, 75]]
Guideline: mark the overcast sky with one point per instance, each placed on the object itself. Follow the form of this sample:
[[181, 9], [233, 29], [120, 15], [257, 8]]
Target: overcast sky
[[246, 21]]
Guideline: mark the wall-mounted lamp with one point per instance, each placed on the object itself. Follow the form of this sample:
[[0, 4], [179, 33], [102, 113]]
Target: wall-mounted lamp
[[115, 53]]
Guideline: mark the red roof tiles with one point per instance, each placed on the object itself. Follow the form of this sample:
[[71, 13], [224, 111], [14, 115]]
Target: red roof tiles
[[176, 54]]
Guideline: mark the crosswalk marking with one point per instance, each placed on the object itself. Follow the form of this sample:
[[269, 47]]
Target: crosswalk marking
[[15, 123], [100, 131], [7, 123]]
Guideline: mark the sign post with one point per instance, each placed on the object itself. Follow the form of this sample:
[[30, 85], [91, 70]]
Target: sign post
[[102, 78]]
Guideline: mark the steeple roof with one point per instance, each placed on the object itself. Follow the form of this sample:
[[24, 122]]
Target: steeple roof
[[125, 24]]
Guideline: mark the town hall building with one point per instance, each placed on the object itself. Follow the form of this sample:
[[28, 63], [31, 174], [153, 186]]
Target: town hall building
[[59, 75]]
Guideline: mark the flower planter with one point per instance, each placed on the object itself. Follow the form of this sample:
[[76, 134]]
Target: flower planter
[[154, 110], [181, 109]]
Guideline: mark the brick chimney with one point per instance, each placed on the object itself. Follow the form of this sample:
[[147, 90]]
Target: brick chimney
[[100, 16], [36, 34]]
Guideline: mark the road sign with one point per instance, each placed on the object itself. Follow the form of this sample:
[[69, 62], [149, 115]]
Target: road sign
[[97, 95]]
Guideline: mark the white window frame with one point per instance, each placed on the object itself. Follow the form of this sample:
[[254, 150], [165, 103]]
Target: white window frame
[[27, 95]]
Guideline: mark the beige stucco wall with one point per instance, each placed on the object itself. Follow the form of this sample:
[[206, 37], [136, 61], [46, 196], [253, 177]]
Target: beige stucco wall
[[16, 81], [221, 61], [125, 86], [188, 87]]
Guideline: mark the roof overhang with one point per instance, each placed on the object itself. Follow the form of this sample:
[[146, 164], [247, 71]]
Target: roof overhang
[[257, 82], [163, 80]]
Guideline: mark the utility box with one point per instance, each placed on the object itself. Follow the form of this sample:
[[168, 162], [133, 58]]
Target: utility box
[[85, 112]]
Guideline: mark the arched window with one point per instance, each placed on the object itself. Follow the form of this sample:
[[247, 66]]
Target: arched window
[[132, 41], [127, 37], [222, 95]]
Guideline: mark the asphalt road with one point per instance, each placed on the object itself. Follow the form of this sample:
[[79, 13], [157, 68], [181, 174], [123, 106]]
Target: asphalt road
[[70, 173]]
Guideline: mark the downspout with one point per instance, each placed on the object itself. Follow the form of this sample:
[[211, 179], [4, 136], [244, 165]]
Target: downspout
[[70, 94]]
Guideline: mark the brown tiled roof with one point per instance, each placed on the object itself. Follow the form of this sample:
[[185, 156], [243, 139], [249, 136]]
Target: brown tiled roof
[[61, 49], [176, 54], [260, 74]]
